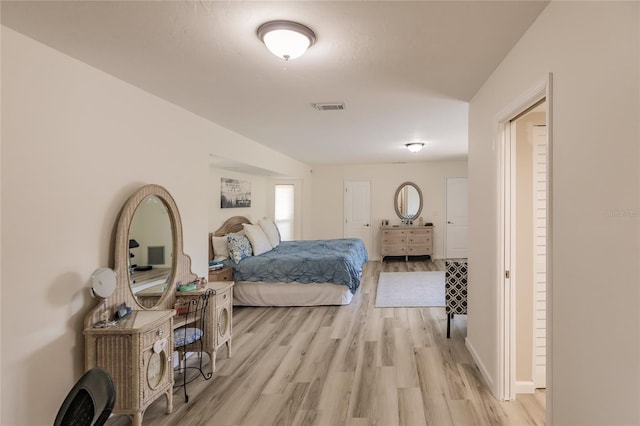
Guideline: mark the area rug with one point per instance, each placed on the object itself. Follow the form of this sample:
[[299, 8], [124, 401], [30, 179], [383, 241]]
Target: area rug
[[410, 289]]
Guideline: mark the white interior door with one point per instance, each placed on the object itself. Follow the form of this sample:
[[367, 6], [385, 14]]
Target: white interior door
[[357, 211], [457, 218]]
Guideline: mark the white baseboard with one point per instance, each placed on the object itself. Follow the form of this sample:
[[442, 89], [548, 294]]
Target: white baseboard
[[525, 387], [483, 370]]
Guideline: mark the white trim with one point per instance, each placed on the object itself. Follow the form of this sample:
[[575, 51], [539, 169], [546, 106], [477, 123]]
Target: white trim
[[549, 372], [483, 369], [499, 143], [525, 387]]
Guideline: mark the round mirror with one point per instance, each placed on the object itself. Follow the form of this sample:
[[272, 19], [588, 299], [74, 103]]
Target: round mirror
[[150, 251], [408, 201], [103, 283]]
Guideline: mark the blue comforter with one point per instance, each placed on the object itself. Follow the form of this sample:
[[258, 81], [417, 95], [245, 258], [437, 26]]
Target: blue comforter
[[337, 261]]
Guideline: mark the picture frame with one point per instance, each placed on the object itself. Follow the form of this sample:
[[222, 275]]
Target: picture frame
[[234, 193]]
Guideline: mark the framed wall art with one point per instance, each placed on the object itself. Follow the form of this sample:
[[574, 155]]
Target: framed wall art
[[234, 193]]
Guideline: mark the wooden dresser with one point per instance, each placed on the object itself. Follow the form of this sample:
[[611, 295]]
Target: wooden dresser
[[406, 241]]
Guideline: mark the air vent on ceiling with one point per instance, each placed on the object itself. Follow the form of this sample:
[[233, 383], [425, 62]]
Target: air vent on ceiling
[[339, 106]]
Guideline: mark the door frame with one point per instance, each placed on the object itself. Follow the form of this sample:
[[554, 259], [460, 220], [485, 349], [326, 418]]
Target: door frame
[[505, 226]]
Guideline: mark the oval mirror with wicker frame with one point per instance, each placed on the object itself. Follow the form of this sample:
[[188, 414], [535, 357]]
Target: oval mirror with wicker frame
[[180, 271]]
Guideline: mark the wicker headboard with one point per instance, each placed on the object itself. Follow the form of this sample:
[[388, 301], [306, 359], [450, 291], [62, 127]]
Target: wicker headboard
[[233, 224]]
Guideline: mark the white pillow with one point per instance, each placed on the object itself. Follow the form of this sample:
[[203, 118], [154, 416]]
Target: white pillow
[[220, 248], [271, 231], [258, 239]]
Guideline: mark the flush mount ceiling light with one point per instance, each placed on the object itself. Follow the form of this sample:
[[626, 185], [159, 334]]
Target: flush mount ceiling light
[[414, 146], [286, 39]]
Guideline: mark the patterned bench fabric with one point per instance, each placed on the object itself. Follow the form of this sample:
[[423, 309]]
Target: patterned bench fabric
[[456, 286]]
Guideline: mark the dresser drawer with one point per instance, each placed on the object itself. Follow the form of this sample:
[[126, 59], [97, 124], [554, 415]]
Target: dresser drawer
[[420, 232], [157, 333], [223, 297], [394, 240], [420, 250], [394, 250], [418, 239], [393, 232]]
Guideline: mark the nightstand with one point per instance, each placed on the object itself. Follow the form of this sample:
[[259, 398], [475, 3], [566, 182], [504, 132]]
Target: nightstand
[[224, 274]]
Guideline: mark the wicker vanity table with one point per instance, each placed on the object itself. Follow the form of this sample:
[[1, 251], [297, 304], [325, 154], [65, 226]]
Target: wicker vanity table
[[137, 351]]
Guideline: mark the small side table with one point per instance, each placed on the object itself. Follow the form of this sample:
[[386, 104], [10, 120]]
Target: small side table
[[224, 274]]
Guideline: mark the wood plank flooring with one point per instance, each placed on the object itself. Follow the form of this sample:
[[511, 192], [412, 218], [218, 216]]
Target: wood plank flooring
[[346, 365]]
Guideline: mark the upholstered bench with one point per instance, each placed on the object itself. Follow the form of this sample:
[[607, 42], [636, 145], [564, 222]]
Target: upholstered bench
[[455, 285]]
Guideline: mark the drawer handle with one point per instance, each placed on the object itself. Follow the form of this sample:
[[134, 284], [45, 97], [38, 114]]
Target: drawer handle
[[160, 332], [225, 296]]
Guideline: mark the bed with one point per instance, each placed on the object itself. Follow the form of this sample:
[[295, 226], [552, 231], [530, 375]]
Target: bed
[[293, 273]]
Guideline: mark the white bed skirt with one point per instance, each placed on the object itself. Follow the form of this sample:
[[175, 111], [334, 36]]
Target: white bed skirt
[[248, 293]]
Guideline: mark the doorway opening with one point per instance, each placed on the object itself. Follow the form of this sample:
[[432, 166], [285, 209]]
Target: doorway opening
[[529, 138], [524, 254]]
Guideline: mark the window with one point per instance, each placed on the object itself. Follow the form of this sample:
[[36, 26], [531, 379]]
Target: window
[[284, 214]]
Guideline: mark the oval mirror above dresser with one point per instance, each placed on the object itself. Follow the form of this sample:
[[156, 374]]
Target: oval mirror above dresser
[[408, 201], [150, 225]]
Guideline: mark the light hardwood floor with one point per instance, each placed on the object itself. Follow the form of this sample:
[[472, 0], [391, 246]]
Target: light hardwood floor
[[346, 365]]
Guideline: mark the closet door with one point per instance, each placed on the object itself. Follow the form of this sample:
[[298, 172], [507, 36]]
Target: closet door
[[357, 211]]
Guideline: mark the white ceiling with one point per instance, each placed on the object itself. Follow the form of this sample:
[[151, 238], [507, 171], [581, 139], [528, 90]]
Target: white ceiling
[[405, 70]]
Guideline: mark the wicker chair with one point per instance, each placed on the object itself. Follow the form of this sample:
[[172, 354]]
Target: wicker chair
[[455, 289], [90, 401], [190, 336]]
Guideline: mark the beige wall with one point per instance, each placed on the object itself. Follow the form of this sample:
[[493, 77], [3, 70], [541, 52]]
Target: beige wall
[[75, 144], [328, 187], [592, 49]]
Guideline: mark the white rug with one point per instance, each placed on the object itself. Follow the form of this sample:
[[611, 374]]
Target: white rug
[[410, 289]]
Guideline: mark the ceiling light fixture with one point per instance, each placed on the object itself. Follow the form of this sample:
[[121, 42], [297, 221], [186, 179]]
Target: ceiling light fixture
[[414, 146], [286, 39]]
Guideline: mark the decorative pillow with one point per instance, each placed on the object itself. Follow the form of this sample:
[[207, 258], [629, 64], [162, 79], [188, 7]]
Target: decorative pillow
[[220, 248], [271, 231], [259, 242], [239, 247]]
